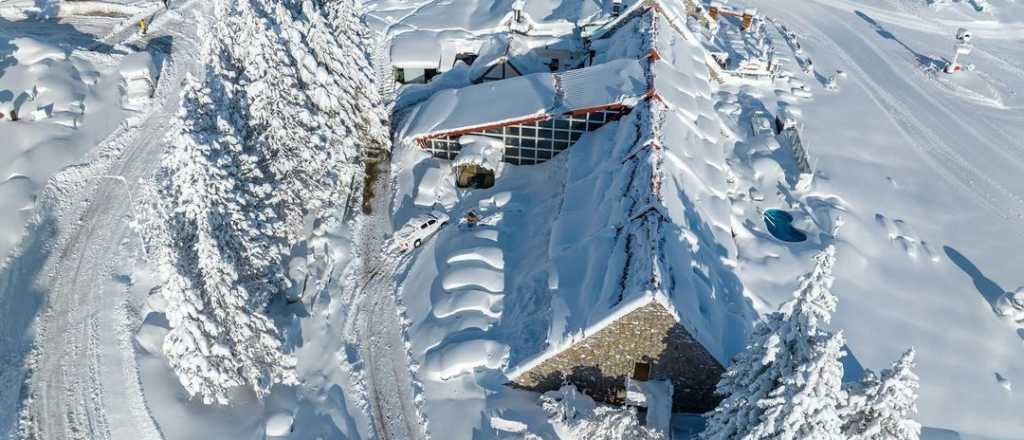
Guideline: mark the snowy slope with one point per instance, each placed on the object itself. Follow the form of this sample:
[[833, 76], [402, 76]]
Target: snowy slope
[[926, 167], [915, 178]]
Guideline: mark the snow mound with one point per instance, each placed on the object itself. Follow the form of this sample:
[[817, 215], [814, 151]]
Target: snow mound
[[279, 424], [482, 151], [151, 338], [461, 277], [1011, 306], [67, 101], [490, 255], [453, 359], [575, 415], [468, 300]]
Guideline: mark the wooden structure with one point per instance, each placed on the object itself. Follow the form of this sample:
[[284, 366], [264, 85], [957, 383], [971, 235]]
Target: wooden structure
[[746, 16]]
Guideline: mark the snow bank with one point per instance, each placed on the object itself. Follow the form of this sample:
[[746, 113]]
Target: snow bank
[[104, 8], [472, 276], [483, 151], [151, 338], [68, 101], [32, 51], [455, 303], [453, 359], [490, 255], [279, 424], [575, 415]]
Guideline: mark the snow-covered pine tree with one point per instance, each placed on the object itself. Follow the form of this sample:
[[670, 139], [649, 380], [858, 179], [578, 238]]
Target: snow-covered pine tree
[[272, 133], [881, 406], [787, 384]]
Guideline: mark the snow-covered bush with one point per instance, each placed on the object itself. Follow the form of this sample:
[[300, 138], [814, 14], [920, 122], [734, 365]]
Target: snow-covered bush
[[787, 383], [576, 415], [270, 134], [880, 407]]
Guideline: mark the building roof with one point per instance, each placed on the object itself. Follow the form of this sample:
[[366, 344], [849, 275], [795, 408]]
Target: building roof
[[421, 49], [415, 50], [665, 231], [538, 95], [522, 97]]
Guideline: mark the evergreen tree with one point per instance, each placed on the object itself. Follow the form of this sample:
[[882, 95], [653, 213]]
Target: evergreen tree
[[880, 407], [787, 383], [271, 134]]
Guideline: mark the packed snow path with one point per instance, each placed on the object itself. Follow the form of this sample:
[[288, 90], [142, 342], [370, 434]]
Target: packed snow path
[[75, 378], [379, 331]]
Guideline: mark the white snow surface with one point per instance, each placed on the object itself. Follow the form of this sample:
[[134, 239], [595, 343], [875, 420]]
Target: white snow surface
[[921, 170], [480, 150]]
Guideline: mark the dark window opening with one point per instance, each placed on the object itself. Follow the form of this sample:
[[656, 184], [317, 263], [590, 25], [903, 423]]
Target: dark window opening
[[466, 57], [641, 371]]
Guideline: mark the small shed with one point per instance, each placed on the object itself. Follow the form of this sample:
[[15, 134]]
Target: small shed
[[478, 163]]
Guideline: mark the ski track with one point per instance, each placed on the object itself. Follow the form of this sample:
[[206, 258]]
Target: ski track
[[71, 378], [920, 127]]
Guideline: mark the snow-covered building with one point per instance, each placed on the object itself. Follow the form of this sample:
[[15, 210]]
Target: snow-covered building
[[417, 57], [509, 55], [539, 115], [649, 294]]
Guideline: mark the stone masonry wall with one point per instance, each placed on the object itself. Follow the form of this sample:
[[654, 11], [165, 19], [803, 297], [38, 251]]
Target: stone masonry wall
[[600, 363]]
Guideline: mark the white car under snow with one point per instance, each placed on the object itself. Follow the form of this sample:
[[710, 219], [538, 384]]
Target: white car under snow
[[419, 229]]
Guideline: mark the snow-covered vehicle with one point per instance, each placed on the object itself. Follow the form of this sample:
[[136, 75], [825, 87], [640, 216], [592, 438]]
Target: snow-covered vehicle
[[420, 228]]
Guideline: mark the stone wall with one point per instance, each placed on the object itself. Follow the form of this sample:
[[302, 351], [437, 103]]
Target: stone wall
[[600, 363]]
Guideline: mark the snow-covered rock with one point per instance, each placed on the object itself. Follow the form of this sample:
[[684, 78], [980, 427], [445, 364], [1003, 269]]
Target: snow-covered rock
[[1011, 306], [279, 424]]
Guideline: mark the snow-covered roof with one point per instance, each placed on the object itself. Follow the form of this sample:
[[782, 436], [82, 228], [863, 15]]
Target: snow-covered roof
[[617, 81], [418, 50], [507, 48], [537, 95], [664, 233], [521, 97]]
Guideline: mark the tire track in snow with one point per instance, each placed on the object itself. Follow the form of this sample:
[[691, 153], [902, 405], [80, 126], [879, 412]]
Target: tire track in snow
[[67, 393], [379, 328]]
